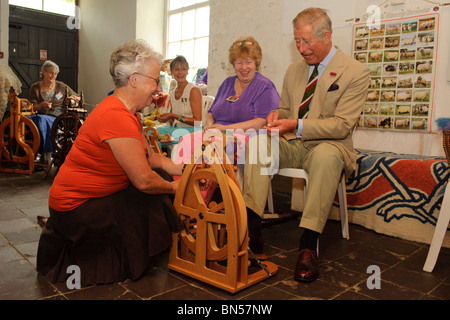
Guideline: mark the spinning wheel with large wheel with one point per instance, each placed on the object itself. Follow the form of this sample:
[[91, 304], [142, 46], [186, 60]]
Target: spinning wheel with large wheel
[[19, 137], [65, 130], [213, 246]]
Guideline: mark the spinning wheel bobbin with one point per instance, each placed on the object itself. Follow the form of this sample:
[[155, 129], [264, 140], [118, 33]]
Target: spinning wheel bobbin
[[213, 247]]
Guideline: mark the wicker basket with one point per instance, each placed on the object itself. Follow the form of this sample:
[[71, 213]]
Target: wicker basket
[[446, 139]]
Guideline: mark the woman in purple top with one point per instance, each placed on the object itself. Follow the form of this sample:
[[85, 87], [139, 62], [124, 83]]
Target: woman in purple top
[[243, 101]]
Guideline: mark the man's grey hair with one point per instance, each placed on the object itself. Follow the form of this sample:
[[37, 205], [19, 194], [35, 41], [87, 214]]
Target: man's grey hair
[[317, 17]]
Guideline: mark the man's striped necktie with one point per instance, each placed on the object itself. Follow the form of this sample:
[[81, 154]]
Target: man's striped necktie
[[309, 93]]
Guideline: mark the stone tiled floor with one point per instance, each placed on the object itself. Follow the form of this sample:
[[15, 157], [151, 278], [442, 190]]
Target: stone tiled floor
[[344, 263]]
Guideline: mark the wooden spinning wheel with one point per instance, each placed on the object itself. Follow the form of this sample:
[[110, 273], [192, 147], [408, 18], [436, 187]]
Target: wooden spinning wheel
[[65, 130], [213, 247], [19, 137], [151, 134], [66, 126]]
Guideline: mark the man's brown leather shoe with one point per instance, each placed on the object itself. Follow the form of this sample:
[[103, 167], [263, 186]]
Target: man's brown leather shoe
[[307, 268]]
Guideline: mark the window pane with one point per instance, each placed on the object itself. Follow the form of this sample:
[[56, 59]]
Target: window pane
[[173, 50], [201, 52], [202, 22], [191, 37], [187, 3], [175, 4], [65, 7], [175, 27], [187, 50], [32, 4], [188, 31]]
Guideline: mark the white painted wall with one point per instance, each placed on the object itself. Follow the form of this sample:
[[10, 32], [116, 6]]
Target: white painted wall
[[107, 24], [150, 22]]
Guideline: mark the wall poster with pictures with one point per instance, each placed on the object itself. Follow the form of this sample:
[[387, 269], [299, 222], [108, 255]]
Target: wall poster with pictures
[[401, 56]]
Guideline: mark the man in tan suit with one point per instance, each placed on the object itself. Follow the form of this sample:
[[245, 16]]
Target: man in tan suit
[[319, 142]]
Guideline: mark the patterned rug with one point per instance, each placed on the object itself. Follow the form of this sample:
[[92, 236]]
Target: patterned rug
[[398, 195], [393, 194]]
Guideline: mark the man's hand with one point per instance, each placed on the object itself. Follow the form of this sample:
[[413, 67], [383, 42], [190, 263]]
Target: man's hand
[[282, 126]]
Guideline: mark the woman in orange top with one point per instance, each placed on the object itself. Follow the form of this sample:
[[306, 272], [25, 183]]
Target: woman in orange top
[[110, 203]]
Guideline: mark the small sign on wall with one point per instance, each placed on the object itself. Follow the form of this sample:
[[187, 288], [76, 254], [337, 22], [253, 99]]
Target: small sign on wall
[[43, 55]]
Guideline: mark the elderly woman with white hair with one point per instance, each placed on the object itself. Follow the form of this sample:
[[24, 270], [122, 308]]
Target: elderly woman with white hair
[[48, 94], [111, 202]]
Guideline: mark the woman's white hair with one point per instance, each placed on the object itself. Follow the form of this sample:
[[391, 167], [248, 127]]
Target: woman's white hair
[[131, 58], [49, 66]]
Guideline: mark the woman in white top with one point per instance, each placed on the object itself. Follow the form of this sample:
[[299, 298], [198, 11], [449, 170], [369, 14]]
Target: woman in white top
[[185, 99]]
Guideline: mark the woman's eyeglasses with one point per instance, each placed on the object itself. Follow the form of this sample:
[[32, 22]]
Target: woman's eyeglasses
[[156, 80], [243, 43]]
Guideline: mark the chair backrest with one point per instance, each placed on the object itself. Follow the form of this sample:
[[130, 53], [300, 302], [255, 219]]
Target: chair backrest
[[206, 104]]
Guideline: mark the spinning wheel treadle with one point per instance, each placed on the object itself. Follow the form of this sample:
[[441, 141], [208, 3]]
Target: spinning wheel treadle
[[213, 247]]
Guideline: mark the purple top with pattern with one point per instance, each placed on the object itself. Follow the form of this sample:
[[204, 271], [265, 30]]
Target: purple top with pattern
[[257, 101]]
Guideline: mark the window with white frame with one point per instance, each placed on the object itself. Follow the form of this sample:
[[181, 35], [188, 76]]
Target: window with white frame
[[64, 7], [188, 32]]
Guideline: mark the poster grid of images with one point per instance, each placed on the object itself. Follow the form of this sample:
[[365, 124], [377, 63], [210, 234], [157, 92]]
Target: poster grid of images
[[401, 57]]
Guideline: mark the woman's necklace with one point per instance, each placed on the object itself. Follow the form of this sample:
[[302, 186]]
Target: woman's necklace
[[121, 100], [238, 89]]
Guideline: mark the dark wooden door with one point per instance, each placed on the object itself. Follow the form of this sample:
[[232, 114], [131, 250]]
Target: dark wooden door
[[32, 32]]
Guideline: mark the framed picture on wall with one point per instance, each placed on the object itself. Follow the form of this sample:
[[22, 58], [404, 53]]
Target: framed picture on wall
[[401, 56]]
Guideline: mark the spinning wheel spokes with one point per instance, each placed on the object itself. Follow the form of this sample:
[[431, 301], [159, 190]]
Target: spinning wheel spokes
[[64, 131], [209, 218], [213, 245], [15, 146]]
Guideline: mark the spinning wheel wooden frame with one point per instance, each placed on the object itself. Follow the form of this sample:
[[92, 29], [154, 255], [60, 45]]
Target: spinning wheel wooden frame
[[213, 247], [65, 130], [151, 134], [19, 137]]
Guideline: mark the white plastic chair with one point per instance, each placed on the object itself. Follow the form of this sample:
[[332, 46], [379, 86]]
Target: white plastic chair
[[302, 174], [206, 104], [439, 232]]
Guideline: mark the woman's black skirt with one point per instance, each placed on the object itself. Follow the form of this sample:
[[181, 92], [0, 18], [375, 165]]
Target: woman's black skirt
[[110, 239]]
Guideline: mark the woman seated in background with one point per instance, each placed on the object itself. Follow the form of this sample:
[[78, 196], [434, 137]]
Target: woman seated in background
[[48, 95], [245, 100], [185, 99], [110, 204]]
